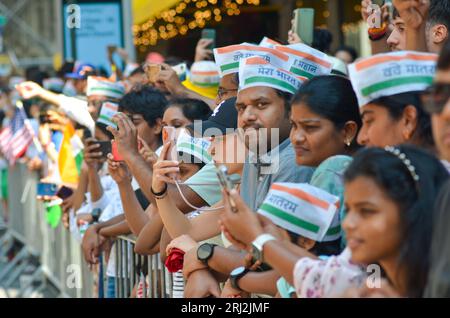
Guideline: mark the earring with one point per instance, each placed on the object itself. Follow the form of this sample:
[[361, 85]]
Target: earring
[[348, 143]]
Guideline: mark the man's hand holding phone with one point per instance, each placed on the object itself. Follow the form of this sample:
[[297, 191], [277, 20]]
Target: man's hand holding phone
[[118, 170], [413, 12], [226, 184], [240, 225], [152, 71], [169, 81], [125, 137], [92, 153], [203, 52]]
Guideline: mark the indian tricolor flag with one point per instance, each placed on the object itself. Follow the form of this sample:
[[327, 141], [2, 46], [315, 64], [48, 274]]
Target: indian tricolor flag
[[303, 209], [306, 61], [70, 156], [228, 58], [392, 73]]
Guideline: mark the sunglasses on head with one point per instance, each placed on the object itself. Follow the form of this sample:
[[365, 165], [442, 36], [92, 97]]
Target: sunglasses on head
[[435, 98]]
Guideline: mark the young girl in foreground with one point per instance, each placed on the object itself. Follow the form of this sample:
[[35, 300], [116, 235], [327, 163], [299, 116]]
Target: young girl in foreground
[[389, 194]]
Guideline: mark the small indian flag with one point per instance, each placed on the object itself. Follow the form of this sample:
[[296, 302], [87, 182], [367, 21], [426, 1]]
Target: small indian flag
[[70, 156]]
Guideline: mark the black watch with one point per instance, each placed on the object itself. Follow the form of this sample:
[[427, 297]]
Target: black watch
[[237, 274], [205, 252], [96, 215]]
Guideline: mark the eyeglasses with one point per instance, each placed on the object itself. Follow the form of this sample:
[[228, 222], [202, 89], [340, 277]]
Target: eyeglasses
[[222, 91], [435, 98]]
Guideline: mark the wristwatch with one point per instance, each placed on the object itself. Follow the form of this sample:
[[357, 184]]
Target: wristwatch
[[237, 274], [96, 215], [205, 252], [258, 244]]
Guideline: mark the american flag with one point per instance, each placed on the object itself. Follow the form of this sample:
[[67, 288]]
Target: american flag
[[16, 137]]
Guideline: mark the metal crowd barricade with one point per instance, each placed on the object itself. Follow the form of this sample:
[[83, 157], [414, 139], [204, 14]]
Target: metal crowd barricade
[[51, 257], [53, 260], [133, 270]]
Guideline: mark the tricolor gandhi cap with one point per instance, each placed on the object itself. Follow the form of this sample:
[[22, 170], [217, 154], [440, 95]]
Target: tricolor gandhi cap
[[193, 146], [303, 209], [203, 79], [305, 61], [256, 71], [229, 57], [391, 74]]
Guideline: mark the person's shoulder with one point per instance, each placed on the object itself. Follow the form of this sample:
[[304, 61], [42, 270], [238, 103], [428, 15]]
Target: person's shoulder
[[337, 164], [207, 171]]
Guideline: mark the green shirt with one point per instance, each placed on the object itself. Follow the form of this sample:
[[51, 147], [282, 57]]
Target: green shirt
[[211, 194]]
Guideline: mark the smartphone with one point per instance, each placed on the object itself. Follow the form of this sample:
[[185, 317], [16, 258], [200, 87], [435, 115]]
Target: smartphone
[[226, 183], [304, 24], [209, 34], [115, 152], [47, 189], [64, 192], [152, 71], [105, 147], [169, 134]]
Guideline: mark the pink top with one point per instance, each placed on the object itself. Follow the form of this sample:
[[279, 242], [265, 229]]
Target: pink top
[[316, 278]]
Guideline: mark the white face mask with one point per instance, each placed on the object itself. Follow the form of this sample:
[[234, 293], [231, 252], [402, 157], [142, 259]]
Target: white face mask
[[69, 89]]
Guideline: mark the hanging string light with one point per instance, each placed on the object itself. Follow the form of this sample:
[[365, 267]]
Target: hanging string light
[[172, 22]]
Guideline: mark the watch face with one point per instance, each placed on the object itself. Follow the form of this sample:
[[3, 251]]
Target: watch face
[[238, 271], [204, 252]]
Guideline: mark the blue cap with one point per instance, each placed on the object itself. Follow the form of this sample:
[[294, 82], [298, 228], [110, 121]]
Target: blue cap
[[224, 117], [82, 71]]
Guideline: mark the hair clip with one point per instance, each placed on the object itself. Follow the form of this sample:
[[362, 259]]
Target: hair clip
[[400, 155]]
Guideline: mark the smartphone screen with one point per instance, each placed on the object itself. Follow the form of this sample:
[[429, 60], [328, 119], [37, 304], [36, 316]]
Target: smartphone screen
[[105, 148], [47, 189], [210, 34], [304, 24]]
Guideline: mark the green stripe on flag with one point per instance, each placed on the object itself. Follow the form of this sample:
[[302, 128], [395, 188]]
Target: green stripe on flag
[[300, 72], [230, 66], [119, 92], [290, 218], [270, 80], [207, 85], [79, 161], [198, 150], [106, 118], [396, 82]]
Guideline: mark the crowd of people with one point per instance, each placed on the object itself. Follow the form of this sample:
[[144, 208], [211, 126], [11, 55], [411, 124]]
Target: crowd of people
[[274, 170]]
